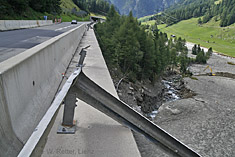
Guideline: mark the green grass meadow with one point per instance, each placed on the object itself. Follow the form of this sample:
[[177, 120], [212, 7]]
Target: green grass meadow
[[152, 22], [221, 39], [145, 18]]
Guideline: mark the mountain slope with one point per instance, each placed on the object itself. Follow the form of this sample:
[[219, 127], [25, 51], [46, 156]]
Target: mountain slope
[[223, 11], [221, 39], [142, 7], [209, 23]]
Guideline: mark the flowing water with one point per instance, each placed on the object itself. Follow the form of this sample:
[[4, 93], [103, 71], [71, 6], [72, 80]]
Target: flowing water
[[170, 94]]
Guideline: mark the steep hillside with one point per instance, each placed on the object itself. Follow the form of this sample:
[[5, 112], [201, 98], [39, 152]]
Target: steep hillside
[[210, 34], [66, 9], [221, 10], [142, 7], [68, 5], [30, 9]]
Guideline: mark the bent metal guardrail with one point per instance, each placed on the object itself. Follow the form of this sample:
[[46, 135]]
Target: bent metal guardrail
[[79, 85], [94, 95]]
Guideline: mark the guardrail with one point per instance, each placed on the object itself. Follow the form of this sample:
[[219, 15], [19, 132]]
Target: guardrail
[[79, 85], [89, 92]]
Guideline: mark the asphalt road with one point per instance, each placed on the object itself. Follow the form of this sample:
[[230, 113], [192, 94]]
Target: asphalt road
[[17, 41]]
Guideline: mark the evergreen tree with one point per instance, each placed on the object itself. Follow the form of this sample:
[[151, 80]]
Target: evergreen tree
[[147, 62], [194, 50], [173, 57], [130, 55], [138, 54], [183, 63], [198, 49], [201, 58], [209, 53], [199, 21], [18, 5]]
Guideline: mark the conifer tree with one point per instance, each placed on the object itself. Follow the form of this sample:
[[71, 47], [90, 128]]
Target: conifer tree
[[194, 50]]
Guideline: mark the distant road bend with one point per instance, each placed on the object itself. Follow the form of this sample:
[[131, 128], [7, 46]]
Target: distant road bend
[[17, 41]]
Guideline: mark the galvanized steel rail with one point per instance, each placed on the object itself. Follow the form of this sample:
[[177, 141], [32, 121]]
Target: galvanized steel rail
[[100, 99]]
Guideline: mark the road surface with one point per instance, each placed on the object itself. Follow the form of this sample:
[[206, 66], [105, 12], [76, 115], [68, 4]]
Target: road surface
[[17, 41]]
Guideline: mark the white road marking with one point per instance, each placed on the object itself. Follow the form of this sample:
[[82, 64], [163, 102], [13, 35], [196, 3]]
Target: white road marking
[[64, 28], [59, 29], [36, 39]]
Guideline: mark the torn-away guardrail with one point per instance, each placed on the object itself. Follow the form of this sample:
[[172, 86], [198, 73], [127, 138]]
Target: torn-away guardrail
[[96, 96], [88, 91]]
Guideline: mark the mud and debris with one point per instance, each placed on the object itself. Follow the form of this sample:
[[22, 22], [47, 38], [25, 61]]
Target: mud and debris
[[146, 98], [198, 110], [206, 121]]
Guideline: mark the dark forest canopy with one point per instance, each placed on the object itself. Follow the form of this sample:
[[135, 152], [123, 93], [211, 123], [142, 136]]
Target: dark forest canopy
[[95, 6], [137, 53], [11, 7]]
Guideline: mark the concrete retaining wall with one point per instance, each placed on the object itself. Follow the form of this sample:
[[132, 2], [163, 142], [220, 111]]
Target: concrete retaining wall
[[28, 84], [20, 24]]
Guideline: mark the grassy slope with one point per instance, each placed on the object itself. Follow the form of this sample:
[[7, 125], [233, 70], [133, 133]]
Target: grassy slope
[[67, 6], [28, 14], [221, 39], [70, 17], [145, 18], [152, 22]]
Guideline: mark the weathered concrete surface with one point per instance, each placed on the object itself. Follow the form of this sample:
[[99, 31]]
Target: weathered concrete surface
[[205, 122], [97, 135], [28, 84], [6, 25]]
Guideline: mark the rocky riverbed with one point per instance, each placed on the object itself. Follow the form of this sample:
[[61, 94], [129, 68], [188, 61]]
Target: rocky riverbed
[[146, 98], [206, 121], [199, 111]]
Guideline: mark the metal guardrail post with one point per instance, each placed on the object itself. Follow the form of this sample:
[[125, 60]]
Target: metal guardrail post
[[70, 104], [82, 56], [89, 26], [68, 125]]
